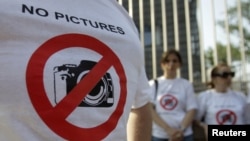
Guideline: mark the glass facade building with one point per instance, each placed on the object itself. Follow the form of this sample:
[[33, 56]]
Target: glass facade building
[[164, 24]]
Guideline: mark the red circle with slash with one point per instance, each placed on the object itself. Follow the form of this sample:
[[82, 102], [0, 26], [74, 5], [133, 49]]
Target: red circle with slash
[[226, 116], [55, 117], [168, 102]]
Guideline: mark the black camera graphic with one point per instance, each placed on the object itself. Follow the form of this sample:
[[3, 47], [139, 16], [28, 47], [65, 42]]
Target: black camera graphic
[[67, 76]]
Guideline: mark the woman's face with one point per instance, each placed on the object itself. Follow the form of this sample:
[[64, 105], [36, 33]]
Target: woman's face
[[171, 64], [224, 77]]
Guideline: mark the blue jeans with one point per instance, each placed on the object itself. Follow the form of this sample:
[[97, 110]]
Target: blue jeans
[[186, 138]]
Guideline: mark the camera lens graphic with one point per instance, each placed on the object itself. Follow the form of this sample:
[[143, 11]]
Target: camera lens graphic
[[99, 92], [69, 75]]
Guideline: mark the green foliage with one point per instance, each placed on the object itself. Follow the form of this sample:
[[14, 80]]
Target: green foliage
[[222, 54], [233, 22], [209, 57]]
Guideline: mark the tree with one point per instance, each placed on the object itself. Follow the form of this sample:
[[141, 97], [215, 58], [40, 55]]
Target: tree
[[222, 54], [234, 26]]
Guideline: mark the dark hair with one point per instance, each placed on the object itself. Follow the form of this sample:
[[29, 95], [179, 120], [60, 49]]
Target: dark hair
[[215, 70], [166, 54]]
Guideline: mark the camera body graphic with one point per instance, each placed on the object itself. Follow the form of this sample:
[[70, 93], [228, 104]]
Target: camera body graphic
[[67, 76]]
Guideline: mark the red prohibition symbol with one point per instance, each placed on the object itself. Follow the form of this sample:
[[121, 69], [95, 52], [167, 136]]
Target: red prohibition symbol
[[168, 102], [226, 117], [55, 117]]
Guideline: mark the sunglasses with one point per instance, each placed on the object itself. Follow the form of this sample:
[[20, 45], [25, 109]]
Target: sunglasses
[[224, 74]]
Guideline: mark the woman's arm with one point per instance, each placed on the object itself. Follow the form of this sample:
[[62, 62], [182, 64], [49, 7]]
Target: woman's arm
[[174, 134], [140, 124], [188, 119]]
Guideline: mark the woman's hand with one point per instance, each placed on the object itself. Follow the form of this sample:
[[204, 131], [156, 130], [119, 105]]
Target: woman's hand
[[175, 134]]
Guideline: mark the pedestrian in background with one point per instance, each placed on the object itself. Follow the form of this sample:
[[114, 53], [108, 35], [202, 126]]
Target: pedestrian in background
[[220, 104], [173, 102]]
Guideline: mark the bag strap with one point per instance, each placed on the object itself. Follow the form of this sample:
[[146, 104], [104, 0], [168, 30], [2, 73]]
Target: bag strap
[[156, 88]]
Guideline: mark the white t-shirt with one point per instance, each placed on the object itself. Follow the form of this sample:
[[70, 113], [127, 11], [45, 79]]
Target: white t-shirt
[[222, 108], [248, 96], [173, 99], [70, 70], [248, 107]]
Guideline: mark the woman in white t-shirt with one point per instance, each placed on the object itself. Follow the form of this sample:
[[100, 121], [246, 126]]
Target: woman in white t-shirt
[[221, 105], [174, 102]]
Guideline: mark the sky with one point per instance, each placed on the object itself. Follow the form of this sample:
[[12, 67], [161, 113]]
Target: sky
[[208, 22], [208, 29]]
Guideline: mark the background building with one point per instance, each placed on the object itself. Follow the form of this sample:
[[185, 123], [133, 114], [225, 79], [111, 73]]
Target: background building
[[180, 24]]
